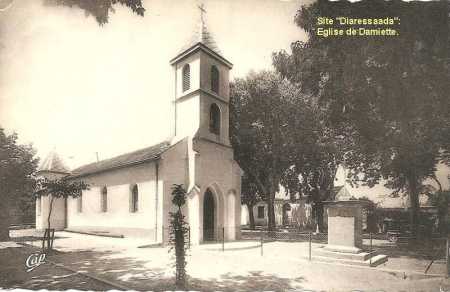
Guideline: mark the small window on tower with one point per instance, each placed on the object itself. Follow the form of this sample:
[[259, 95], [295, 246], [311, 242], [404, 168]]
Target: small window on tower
[[104, 202], [214, 119], [186, 77], [215, 79]]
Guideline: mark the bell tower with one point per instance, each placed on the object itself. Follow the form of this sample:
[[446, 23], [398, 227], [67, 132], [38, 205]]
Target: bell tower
[[202, 88]]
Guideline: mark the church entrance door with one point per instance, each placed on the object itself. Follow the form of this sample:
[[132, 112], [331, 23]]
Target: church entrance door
[[208, 216]]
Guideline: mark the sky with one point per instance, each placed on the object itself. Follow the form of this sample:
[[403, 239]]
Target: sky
[[68, 84]]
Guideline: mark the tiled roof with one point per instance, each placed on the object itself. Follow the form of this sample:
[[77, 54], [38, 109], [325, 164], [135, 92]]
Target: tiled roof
[[128, 159], [53, 163], [202, 35]]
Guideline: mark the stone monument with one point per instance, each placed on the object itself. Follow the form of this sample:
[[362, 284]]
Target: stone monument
[[345, 236], [345, 226]]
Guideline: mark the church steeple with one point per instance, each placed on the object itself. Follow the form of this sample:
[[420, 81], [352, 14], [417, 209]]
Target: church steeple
[[202, 88], [201, 37], [54, 164]]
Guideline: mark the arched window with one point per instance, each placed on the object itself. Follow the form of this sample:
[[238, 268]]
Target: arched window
[[214, 119], [215, 79], [134, 202], [80, 203], [186, 77], [104, 202]]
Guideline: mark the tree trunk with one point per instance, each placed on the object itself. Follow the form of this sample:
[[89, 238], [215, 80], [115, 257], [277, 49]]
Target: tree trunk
[[318, 212], [271, 213], [48, 224], [50, 211], [4, 218], [442, 217], [251, 216], [414, 206]]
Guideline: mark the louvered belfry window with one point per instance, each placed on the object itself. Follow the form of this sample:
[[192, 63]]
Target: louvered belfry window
[[215, 79], [186, 77]]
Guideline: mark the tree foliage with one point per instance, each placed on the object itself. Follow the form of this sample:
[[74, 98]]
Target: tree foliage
[[280, 137], [274, 130], [441, 200], [58, 188], [17, 166], [100, 9], [263, 110], [390, 94]]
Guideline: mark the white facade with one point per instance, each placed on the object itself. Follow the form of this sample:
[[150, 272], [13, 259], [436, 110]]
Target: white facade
[[199, 157]]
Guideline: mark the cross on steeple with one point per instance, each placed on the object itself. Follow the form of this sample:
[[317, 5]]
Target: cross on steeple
[[202, 12]]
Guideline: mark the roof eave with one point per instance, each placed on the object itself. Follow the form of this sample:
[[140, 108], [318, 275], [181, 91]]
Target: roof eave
[[52, 171], [115, 167], [201, 46]]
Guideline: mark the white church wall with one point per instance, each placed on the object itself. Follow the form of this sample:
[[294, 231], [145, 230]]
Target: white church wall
[[230, 230], [118, 215], [188, 117], [215, 169], [57, 218], [173, 170], [194, 223]]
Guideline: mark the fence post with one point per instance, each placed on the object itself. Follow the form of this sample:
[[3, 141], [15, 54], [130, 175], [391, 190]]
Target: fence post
[[310, 244], [447, 257], [262, 241], [370, 234], [223, 238]]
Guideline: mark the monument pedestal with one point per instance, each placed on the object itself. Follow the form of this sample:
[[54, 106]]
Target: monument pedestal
[[345, 226], [345, 242]]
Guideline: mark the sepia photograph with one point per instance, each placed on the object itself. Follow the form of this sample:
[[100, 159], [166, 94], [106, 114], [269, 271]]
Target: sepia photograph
[[225, 145]]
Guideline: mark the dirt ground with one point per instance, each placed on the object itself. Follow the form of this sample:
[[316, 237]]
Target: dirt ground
[[47, 276], [241, 266]]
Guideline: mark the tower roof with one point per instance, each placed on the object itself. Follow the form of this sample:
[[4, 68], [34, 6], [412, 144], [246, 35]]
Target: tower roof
[[53, 163], [201, 38]]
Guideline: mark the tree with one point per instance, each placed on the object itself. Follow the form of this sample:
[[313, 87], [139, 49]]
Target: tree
[[389, 93], [371, 211], [58, 188], [315, 162], [267, 122], [100, 9], [441, 199], [17, 166], [178, 231]]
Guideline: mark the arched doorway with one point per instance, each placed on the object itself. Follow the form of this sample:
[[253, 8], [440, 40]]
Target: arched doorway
[[208, 216]]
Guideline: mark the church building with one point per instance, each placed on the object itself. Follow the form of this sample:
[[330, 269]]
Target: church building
[[131, 194]]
